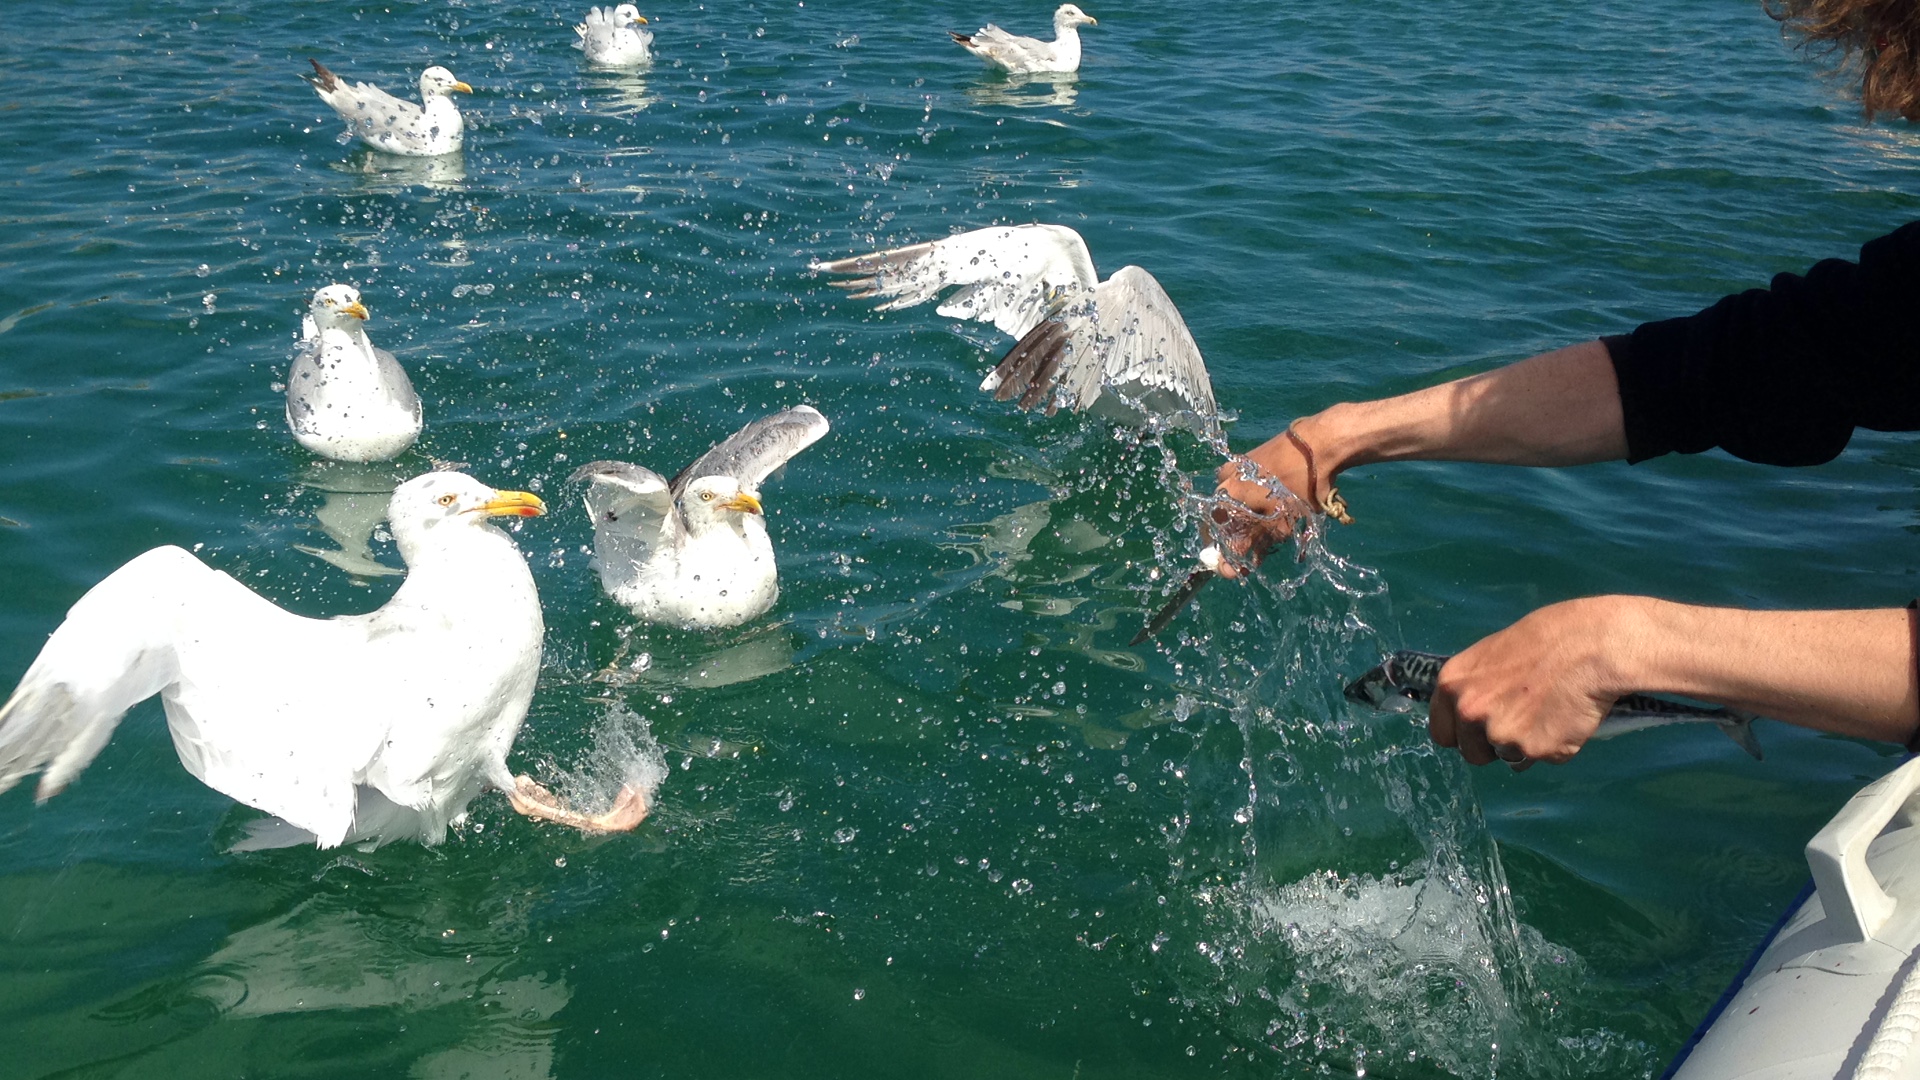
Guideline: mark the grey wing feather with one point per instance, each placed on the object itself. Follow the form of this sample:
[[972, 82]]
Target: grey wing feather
[[633, 514], [394, 378], [1124, 349], [300, 379], [1007, 275], [753, 452], [1012, 51]]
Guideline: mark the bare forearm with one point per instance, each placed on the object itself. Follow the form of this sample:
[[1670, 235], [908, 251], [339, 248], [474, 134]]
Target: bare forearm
[[1849, 672], [1557, 408]]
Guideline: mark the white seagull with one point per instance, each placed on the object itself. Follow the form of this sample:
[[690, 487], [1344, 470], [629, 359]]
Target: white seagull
[[387, 123], [611, 37], [363, 727], [1025, 55], [346, 399], [1117, 347], [694, 551]]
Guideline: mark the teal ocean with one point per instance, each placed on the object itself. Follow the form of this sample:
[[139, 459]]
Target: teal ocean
[[932, 817]]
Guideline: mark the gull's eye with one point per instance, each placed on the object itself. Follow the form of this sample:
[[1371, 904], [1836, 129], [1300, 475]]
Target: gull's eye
[[447, 500], [706, 496]]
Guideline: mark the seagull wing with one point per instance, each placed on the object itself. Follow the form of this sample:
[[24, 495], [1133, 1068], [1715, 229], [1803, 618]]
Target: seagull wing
[[1008, 275], [751, 454], [596, 33], [394, 381], [227, 664], [1011, 51], [633, 514], [371, 111], [1125, 347]]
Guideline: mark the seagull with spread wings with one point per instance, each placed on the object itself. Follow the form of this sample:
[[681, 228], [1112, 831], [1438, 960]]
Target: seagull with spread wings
[[378, 727], [611, 37], [694, 551], [1117, 347]]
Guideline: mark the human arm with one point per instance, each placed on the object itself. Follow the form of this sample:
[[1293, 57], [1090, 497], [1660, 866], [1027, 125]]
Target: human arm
[[1557, 408], [1542, 685], [1781, 375]]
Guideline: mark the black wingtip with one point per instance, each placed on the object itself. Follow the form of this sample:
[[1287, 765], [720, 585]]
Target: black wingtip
[[321, 77]]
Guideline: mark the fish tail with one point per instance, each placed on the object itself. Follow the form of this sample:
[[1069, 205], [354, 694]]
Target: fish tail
[[1738, 726]]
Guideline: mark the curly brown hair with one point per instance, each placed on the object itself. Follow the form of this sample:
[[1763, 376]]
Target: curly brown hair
[[1877, 39]]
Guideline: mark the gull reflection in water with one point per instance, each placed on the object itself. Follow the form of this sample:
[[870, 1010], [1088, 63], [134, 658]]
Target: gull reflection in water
[[475, 1009], [391, 173], [1058, 89], [618, 93], [353, 502]]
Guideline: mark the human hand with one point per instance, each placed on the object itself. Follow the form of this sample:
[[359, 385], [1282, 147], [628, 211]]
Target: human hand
[[1257, 519], [1537, 690]]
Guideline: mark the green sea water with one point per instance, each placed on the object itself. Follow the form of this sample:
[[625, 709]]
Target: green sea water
[[932, 817]]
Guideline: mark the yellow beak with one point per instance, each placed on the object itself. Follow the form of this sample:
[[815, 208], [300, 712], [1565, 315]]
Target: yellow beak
[[511, 504], [743, 502], [462, 87], [641, 19], [1091, 21], [356, 309]]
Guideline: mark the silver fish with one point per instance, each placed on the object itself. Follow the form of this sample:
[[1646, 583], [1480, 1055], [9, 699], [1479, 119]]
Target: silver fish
[[1410, 676]]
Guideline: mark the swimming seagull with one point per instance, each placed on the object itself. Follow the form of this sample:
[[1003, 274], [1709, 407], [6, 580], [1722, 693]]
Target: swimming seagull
[[694, 551], [1117, 347], [378, 727], [611, 36], [387, 123], [346, 399], [1025, 55]]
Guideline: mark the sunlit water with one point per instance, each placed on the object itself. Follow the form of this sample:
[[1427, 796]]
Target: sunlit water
[[932, 817]]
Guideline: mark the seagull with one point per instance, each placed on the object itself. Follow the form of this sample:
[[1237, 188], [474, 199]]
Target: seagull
[[373, 727], [1025, 55], [1117, 347], [694, 551], [346, 399], [611, 37], [387, 123]]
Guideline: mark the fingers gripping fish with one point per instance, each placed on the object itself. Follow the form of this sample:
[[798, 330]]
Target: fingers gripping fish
[[1411, 676]]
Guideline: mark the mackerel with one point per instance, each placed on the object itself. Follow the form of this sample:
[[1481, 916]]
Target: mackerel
[[1409, 675]]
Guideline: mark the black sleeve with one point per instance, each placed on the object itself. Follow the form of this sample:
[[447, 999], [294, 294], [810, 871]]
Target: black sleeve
[[1782, 375]]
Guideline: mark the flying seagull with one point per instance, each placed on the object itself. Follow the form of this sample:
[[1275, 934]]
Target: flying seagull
[[376, 727], [1025, 55], [1117, 347], [387, 123], [694, 551], [346, 399]]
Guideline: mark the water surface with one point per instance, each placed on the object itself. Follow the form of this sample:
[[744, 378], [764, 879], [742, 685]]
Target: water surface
[[932, 817]]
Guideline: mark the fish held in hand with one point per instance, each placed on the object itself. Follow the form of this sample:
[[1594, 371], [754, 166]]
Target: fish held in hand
[[1410, 675]]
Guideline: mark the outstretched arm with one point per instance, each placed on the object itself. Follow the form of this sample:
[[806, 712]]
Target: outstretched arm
[[1541, 686], [1557, 408]]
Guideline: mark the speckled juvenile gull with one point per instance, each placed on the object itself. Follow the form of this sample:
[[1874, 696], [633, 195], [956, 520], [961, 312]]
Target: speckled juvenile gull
[[1117, 347], [364, 727], [346, 399], [387, 123], [694, 551], [1025, 55], [611, 37]]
